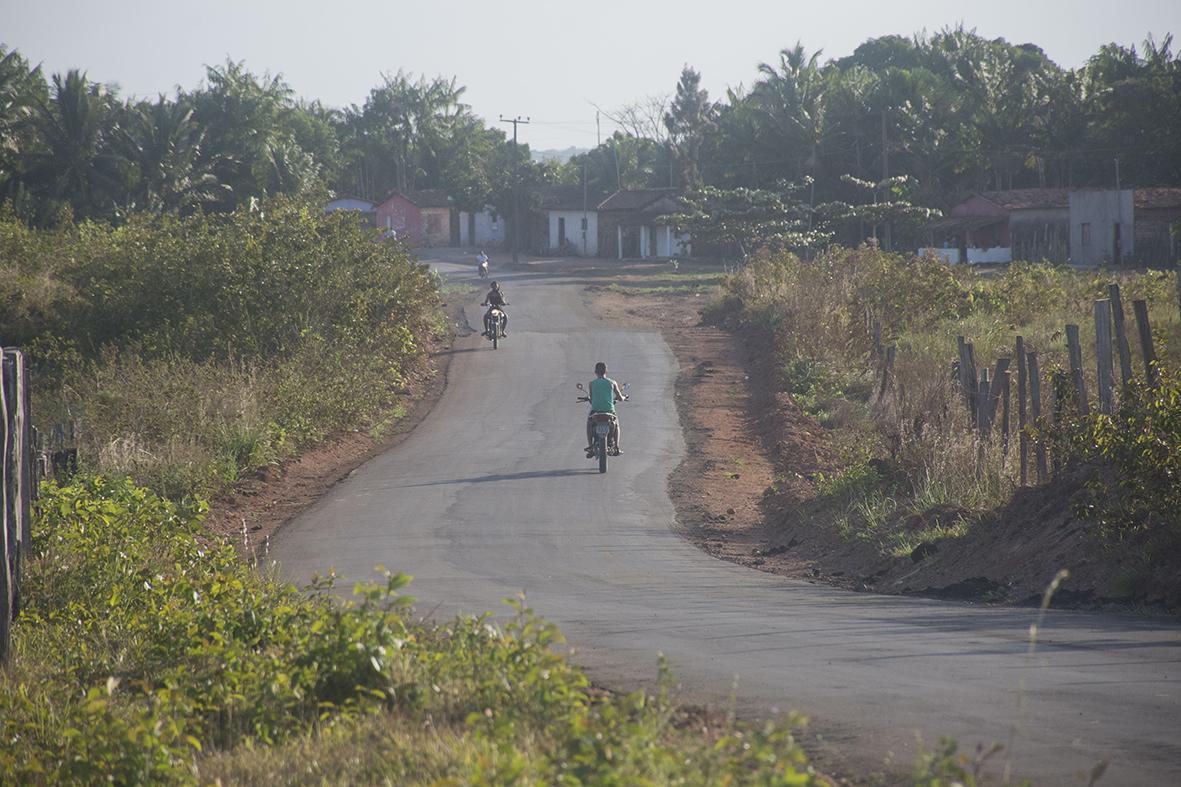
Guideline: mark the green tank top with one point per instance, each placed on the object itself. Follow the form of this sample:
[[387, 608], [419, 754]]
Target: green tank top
[[602, 395]]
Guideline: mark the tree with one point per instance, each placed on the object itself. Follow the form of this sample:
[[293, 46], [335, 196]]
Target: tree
[[164, 144], [890, 207], [689, 119], [749, 219], [74, 163]]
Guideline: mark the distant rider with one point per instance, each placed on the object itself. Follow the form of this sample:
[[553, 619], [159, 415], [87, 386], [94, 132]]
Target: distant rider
[[604, 393], [482, 259], [495, 299]]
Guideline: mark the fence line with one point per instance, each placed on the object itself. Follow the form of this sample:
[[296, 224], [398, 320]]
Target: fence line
[[986, 392], [20, 474]]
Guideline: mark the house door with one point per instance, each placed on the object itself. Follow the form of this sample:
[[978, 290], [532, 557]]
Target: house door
[[561, 232]]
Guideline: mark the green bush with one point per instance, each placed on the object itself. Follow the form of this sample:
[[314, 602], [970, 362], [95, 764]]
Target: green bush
[[1137, 491], [149, 654], [191, 350]]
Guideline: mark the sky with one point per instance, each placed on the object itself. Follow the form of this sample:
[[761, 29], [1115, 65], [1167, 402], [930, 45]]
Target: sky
[[553, 61]]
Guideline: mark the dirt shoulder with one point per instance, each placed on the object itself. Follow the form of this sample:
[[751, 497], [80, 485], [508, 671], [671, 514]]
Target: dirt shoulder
[[746, 491], [253, 511]]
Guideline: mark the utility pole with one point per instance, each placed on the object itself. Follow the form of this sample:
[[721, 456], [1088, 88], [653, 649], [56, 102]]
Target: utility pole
[[885, 175], [516, 185], [598, 130]]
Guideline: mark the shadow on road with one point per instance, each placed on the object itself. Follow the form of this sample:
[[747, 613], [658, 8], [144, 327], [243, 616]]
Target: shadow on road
[[506, 477]]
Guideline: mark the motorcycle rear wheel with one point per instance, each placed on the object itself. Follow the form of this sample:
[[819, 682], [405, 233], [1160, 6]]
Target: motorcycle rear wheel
[[601, 448]]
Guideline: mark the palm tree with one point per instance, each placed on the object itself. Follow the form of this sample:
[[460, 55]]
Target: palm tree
[[76, 164], [165, 145], [790, 96]]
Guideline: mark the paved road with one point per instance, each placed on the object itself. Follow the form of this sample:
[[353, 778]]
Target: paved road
[[491, 495]]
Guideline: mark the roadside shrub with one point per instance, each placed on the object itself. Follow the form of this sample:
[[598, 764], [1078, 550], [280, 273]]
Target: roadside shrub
[[1137, 492], [148, 653], [192, 350], [816, 314]]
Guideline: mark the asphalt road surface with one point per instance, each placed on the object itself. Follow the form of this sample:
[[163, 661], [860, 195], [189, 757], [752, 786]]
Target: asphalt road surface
[[492, 495]]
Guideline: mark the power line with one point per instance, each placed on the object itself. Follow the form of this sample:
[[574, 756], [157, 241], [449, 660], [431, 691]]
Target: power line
[[516, 184]]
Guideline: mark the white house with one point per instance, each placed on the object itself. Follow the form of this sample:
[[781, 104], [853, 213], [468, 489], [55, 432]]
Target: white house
[[485, 228], [641, 225], [571, 220]]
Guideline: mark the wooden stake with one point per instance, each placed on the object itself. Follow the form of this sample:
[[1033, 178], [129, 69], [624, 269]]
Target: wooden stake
[[1022, 439], [1035, 410], [1005, 413], [1076, 368], [887, 371], [1121, 336], [1103, 362], [1145, 331]]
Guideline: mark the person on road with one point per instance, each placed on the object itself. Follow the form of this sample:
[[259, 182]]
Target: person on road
[[482, 259], [604, 393], [495, 300]]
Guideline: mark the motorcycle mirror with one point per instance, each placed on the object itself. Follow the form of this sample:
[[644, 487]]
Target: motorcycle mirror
[[626, 386], [578, 386]]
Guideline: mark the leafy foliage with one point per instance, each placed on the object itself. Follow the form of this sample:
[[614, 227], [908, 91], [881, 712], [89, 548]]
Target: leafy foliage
[[192, 349], [148, 654], [1137, 492]]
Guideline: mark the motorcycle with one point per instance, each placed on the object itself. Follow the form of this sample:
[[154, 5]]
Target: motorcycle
[[604, 430], [495, 317], [484, 269]]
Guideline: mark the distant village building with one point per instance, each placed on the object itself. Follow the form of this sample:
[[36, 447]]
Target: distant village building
[[484, 228], [363, 206], [1085, 227], [571, 220], [635, 224], [1000, 226], [420, 218]]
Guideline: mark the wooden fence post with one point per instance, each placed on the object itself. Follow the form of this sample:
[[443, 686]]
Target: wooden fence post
[[1075, 349], [982, 396], [1022, 439], [1103, 361], [7, 545], [887, 371], [1121, 336], [1145, 331], [992, 396], [1005, 414], [1035, 410], [1058, 389]]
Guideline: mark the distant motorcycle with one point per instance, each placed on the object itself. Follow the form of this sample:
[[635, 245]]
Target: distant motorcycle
[[494, 322], [605, 432], [484, 269]]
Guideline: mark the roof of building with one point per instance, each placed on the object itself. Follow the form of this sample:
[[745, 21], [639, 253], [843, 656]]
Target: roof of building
[[1028, 199], [1158, 198], [959, 223], [636, 199], [568, 197], [426, 198]]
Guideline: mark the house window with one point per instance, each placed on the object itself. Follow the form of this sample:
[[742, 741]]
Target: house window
[[1086, 239]]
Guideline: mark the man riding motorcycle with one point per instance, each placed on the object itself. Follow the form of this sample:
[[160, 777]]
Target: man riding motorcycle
[[495, 300], [482, 259], [604, 393]]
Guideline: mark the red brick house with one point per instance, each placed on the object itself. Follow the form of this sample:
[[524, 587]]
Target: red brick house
[[420, 218]]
